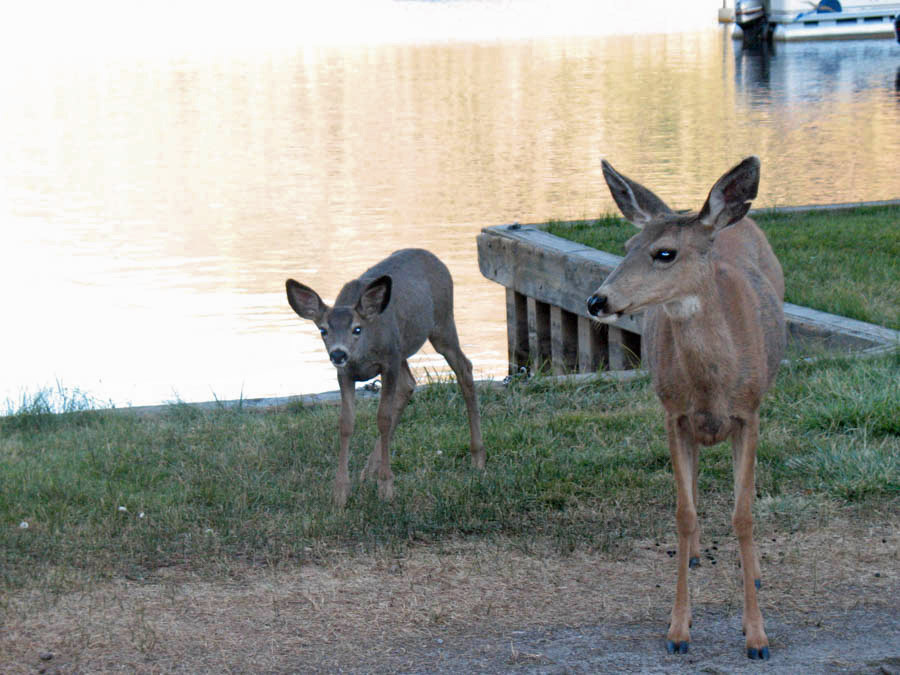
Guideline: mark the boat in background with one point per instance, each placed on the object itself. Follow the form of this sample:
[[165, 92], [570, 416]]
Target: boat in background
[[788, 20]]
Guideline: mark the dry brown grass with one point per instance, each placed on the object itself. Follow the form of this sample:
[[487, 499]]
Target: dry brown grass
[[354, 612]]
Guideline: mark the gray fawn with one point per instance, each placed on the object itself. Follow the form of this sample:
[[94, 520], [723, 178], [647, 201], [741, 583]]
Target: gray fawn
[[714, 335], [378, 321]]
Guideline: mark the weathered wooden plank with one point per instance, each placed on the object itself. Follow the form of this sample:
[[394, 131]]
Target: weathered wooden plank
[[516, 330], [616, 349], [557, 275], [835, 332], [592, 349], [563, 340], [539, 342]]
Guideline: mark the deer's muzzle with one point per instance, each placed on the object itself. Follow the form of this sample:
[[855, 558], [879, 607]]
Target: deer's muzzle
[[597, 304]]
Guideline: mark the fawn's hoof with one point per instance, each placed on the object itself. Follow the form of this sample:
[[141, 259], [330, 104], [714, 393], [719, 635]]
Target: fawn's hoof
[[386, 489], [694, 562], [677, 647], [340, 494]]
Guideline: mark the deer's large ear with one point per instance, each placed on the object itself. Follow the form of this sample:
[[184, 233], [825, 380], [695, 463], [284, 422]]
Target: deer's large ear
[[729, 199], [638, 204], [375, 298], [304, 300]]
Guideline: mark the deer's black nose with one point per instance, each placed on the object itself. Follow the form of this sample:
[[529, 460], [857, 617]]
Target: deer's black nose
[[338, 357], [596, 304]]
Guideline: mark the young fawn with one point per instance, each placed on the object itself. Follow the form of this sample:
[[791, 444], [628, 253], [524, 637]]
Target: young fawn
[[378, 321], [711, 289]]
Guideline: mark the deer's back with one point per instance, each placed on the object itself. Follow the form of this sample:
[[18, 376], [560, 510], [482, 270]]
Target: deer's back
[[421, 290]]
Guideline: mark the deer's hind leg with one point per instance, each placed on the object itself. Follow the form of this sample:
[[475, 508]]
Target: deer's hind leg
[[406, 385], [445, 341]]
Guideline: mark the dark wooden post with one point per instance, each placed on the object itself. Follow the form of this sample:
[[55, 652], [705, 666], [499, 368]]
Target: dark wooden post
[[624, 349], [516, 330], [539, 333], [592, 339], [563, 340]]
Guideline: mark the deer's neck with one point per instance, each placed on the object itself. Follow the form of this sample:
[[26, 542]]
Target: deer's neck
[[702, 341]]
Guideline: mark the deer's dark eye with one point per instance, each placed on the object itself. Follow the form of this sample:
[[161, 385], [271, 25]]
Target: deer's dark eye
[[665, 255], [323, 331], [357, 330]]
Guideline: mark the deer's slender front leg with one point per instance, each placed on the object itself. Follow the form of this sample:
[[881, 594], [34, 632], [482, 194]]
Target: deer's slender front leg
[[681, 449], [348, 415], [386, 405], [405, 388], [744, 459]]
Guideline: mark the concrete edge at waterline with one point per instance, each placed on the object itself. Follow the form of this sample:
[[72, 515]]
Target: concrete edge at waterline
[[366, 392], [282, 403]]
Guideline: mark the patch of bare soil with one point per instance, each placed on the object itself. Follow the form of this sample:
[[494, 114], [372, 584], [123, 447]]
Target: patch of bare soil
[[831, 600]]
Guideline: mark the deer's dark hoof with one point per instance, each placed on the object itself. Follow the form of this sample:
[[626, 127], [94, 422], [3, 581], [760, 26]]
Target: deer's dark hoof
[[694, 562], [757, 583], [678, 647], [762, 654]]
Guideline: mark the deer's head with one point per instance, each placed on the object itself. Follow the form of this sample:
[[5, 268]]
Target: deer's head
[[667, 261], [348, 331]]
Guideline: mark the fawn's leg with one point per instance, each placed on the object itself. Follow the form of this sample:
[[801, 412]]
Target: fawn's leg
[[446, 342], [348, 415], [386, 404], [405, 388]]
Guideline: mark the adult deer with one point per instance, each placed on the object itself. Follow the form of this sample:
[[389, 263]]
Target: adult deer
[[714, 335], [378, 321]]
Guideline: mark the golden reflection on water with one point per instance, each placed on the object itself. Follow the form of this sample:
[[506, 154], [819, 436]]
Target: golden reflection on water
[[155, 206]]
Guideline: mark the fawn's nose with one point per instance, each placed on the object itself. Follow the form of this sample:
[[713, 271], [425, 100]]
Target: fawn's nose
[[596, 304], [338, 357]]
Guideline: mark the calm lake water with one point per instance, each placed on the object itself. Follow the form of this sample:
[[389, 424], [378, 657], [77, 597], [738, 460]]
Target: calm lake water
[[161, 178]]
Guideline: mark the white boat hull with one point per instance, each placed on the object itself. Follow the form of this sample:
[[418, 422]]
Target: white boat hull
[[790, 20]]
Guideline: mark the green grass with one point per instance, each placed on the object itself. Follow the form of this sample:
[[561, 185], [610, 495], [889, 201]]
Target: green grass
[[573, 465], [843, 262]]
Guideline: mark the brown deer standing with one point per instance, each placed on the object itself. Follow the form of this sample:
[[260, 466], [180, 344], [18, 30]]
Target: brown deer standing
[[714, 336], [378, 321]]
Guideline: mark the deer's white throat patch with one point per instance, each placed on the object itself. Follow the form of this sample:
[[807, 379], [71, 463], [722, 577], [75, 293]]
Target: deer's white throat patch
[[682, 308]]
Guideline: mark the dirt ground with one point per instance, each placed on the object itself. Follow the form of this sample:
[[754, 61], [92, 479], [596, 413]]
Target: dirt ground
[[831, 600]]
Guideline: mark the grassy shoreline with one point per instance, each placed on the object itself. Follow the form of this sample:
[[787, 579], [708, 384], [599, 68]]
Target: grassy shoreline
[[577, 466]]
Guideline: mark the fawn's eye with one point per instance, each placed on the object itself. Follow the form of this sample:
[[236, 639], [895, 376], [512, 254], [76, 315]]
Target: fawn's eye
[[323, 331], [357, 330], [665, 255]]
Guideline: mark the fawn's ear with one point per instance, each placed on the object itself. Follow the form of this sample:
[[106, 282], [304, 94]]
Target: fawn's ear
[[638, 204], [375, 298], [304, 300], [729, 199]]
